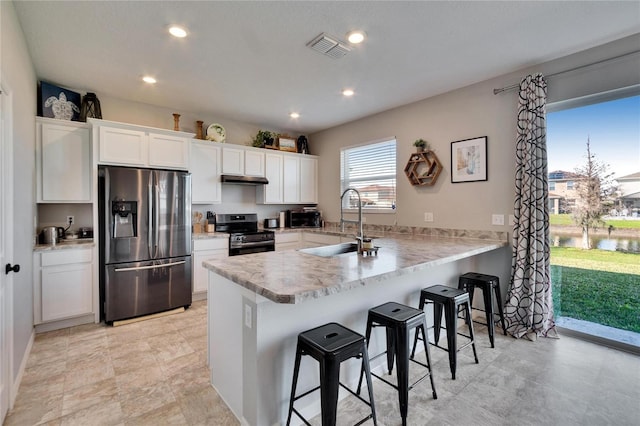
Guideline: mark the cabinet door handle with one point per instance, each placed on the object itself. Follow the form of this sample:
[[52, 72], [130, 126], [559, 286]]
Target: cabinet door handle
[[8, 268]]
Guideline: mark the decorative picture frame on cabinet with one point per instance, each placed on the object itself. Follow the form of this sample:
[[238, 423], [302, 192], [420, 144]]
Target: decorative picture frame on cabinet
[[287, 143], [58, 102], [469, 160]]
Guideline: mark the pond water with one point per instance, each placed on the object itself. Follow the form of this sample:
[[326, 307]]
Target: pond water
[[623, 244]]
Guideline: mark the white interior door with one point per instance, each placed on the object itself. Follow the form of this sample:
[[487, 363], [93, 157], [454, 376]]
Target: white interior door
[[6, 250]]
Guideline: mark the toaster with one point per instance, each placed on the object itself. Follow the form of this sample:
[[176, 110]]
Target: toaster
[[85, 233]]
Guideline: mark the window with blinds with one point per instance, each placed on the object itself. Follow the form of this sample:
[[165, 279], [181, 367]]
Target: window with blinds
[[371, 169]]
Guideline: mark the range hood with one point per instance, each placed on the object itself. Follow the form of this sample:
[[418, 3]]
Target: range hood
[[245, 180]]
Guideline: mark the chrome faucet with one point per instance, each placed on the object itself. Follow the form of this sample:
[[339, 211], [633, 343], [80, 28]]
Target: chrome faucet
[[360, 236]]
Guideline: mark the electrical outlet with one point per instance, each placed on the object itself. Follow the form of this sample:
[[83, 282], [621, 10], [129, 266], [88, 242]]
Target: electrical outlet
[[247, 316], [497, 219], [70, 220], [428, 217]]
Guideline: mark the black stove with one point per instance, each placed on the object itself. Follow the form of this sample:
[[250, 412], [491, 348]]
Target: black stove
[[244, 236]]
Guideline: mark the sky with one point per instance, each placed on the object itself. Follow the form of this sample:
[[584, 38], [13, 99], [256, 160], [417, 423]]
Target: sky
[[613, 129]]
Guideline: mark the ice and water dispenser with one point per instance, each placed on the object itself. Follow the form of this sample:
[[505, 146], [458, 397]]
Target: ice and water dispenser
[[125, 218]]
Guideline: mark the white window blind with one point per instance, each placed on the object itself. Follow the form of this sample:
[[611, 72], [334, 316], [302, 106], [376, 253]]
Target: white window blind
[[371, 169]]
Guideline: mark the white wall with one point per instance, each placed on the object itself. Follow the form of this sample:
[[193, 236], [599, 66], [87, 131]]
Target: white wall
[[466, 113], [18, 76], [461, 114]]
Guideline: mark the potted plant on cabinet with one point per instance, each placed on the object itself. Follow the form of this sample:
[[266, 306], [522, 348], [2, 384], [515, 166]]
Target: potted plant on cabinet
[[264, 139]]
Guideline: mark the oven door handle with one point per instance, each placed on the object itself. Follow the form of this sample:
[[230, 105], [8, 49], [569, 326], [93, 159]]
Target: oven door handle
[[252, 244]]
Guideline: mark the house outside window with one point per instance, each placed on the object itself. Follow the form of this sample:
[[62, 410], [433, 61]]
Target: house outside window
[[371, 169]]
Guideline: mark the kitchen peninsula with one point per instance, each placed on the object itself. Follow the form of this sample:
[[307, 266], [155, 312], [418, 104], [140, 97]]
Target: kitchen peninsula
[[258, 304]]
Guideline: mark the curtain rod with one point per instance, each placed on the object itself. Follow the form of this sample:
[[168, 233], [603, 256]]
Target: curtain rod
[[515, 86]]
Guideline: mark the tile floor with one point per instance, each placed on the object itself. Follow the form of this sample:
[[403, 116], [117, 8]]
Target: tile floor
[[154, 373]]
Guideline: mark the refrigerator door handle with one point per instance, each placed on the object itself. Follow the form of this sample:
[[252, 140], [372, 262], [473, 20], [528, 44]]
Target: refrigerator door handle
[[156, 225], [149, 216], [140, 268]]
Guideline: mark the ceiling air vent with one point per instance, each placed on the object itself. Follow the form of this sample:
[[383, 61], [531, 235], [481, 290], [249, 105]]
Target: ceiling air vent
[[329, 46]]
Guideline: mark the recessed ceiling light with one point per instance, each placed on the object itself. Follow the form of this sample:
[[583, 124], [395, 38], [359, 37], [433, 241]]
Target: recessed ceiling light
[[356, 37], [347, 92], [294, 115], [177, 32], [149, 79]]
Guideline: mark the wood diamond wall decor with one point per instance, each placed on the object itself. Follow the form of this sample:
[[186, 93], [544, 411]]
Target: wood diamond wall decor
[[423, 168]]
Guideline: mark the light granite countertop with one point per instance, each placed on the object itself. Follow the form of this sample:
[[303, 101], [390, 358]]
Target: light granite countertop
[[293, 276], [65, 245]]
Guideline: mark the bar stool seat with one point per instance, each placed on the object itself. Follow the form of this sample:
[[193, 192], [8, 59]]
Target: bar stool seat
[[489, 284], [398, 320], [330, 345], [451, 300]]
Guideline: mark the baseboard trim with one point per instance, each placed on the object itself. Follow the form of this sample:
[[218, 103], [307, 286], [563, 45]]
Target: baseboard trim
[[23, 365], [66, 323]]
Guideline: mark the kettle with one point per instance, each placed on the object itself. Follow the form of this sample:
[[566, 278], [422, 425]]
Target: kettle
[[51, 234]]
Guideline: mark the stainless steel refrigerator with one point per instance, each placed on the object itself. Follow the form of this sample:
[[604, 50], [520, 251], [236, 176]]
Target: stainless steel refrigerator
[[145, 241]]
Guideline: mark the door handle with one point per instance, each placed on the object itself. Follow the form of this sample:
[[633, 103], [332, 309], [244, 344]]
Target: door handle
[[142, 268], [8, 268], [149, 216]]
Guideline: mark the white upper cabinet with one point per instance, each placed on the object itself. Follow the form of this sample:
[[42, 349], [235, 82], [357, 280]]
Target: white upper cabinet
[[308, 180], [205, 173], [242, 161], [293, 179], [166, 151], [123, 146], [254, 163], [132, 145], [63, 161], [233, 161], [272, 193], [290, 177]]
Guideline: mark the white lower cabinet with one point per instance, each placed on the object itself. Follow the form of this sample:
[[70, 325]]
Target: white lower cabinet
[[287, 241], [63, 284], [207, 249]]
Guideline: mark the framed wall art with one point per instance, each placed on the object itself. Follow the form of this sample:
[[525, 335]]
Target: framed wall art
[[469, 160], [287, 143], [58, 102]]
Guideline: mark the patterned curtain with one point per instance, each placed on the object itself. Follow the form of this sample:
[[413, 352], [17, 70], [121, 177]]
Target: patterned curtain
[[529, 307]]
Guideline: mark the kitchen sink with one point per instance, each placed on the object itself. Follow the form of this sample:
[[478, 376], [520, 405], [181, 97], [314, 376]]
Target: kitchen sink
[[333, 250]]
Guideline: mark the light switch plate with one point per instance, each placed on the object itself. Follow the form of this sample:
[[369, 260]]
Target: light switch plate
[[428, 217], [497, 219]]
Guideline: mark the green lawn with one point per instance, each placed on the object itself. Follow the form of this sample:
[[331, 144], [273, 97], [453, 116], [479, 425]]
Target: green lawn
[[597, 286], [567, 220]]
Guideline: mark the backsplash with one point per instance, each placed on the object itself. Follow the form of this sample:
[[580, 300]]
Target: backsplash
[[242, 199], [56, 215], [382, 230]]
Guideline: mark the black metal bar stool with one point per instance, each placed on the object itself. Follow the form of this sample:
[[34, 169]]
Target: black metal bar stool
[[469, 281], [451, 299], [330, 344], [398, 320]]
